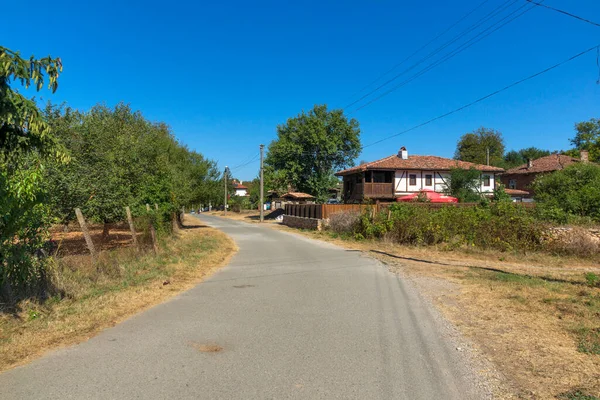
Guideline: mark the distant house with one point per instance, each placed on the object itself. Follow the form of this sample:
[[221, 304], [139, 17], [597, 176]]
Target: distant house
[[401, 174], [239, 189], [521, 177], [298, 198]]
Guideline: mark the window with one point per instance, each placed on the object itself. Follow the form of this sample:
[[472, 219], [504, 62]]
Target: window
[[383, 176], [368, 177], [486, 180], [428, 180], [512, 184], [412, 180]]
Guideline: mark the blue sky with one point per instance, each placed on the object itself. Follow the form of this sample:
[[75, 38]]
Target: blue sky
[[224, 74]]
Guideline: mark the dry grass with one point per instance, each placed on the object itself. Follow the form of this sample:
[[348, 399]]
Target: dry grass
[[535, 316], [124, 284]]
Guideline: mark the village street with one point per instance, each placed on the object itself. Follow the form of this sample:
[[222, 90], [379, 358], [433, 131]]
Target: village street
[[289, 317]]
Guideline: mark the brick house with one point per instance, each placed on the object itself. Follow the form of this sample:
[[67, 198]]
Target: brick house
[[401, 174], [521, 177]]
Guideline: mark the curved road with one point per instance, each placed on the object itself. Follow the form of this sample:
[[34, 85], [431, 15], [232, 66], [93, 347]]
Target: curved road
[[292, 318]]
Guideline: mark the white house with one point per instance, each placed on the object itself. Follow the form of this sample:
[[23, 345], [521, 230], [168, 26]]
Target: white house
[[240, 190], [400, 174]]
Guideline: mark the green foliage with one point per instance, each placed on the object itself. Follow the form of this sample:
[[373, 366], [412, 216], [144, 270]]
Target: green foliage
[[464, 184], [121, 159], [592, 279], [473, 146], [502, 226], [587, 137], [309, 148], [500, 194], [573, 191], [515, 158], [26, 144]]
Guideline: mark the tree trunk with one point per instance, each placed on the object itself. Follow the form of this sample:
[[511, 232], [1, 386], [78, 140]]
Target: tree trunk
[[105, 232]]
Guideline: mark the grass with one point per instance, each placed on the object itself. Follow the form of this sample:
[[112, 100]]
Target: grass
[[576, 395], [123, 283]]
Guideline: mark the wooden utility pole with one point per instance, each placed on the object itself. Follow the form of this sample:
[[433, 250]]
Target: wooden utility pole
[[131, 227], [152, 232], [86, 232], [487, 156], [262, 185], [225, 186]]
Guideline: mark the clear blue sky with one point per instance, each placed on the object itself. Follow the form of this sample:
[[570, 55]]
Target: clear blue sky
[[224, 74]]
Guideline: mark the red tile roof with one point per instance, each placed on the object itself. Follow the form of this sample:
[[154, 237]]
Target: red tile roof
[[238, 186], [553, 162], [414, 162], [516, 192], [298, 195]]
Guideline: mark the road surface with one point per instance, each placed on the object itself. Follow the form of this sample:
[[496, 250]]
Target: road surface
[[288, 318]]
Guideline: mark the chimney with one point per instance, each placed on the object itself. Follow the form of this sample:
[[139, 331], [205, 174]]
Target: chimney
[[584, 155], [403, 154], [529, 163]]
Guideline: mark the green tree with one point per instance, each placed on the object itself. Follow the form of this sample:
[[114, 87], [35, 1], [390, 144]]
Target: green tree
[[473, 147], [587, 137], [309, 148], [515, 158], [26, 142], [573, 191], [464, 184]]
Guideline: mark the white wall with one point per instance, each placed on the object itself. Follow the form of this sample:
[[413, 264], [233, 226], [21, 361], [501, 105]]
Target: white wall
[[402, 181]]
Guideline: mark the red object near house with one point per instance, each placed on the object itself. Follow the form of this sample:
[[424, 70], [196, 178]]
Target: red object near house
[[432, 197]]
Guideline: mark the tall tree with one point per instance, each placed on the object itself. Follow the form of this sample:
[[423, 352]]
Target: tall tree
[[515, 158], [26, 142], [473, 147], [587, 137], [309, 148]]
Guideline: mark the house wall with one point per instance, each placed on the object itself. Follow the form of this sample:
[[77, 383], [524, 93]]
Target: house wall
[[241, 192], [523, 182], [439, 178]]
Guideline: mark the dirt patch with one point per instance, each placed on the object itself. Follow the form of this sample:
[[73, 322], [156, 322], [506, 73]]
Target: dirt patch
[[243, 286], [207, 348], [129, 282]]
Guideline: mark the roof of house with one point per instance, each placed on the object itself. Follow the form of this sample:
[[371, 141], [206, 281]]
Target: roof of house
[[553, 162], [240, 187], [418, 163], [298, 195], [516, 192]]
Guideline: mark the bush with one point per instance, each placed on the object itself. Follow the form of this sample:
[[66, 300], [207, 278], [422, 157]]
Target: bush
[[502, 226], [345, 222]]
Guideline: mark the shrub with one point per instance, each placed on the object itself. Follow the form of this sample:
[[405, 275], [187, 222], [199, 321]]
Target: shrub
[[344, 222], [503, 226]]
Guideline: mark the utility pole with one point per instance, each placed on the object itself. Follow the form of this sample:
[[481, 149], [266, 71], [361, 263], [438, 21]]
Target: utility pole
[[487, 156], [225, 185], [262, 185]]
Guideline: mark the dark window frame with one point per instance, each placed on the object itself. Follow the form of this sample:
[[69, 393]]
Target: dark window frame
[[412, 179], [428, 180], [487, 180], [512, 183]]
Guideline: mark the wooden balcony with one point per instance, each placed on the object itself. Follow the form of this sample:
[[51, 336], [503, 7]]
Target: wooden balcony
[[378, 190]]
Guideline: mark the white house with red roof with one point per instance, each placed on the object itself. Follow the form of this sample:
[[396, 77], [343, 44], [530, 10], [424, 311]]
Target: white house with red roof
[[402, 174], [240, 189]]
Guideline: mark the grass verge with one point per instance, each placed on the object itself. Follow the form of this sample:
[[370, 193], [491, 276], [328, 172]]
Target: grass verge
[[123, 283]]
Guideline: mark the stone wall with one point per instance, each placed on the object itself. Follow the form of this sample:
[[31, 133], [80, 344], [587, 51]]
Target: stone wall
[[302, 223]]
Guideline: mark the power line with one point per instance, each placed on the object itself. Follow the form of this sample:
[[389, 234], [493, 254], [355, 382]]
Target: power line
[[596, 47], [564, 12], [471, 42], [255, 159], [422, 47], [498, 10]]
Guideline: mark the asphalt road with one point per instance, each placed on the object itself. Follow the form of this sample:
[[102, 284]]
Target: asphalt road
[[293, 319]]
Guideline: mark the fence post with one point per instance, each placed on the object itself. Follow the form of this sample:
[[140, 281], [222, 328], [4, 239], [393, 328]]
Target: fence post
[[86, 233], [152, 232], [131, 227]]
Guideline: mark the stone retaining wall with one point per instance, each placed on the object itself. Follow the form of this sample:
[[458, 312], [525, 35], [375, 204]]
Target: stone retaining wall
[[302, 223]]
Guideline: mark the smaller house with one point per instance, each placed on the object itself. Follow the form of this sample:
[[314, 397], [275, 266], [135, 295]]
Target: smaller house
[[239, 189], [520, 178], [298, 198]]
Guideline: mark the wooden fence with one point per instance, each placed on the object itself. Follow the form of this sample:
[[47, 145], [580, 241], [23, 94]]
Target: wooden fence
[[324, 211]]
